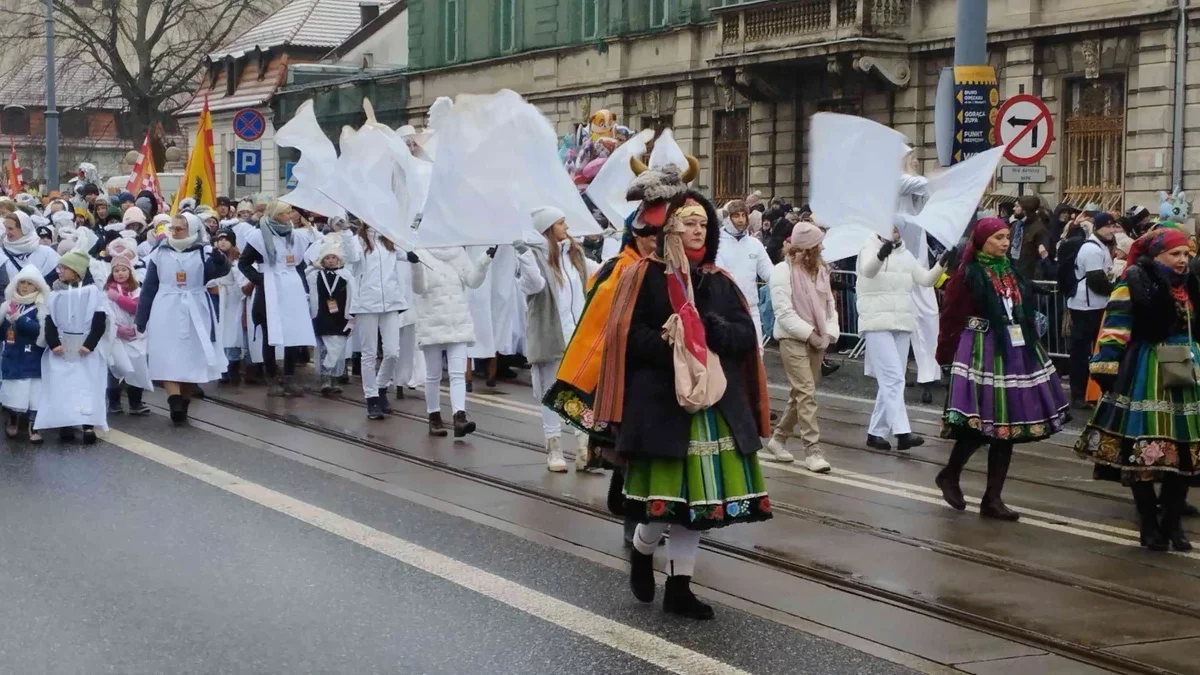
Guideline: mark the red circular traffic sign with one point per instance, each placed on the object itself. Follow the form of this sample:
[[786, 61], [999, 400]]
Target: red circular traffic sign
[[1025, 128], [249, 124]]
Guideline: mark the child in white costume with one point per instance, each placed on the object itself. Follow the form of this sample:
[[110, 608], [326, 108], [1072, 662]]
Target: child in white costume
[[122, 291]]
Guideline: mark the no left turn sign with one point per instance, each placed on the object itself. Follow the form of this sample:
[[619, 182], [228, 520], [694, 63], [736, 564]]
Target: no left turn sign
[[1025, 128]]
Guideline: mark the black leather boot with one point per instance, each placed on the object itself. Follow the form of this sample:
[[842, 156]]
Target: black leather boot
[[235, 373], [878, 443], [947, 479], [1174, 494], [616, 493], [641, 575], [680, 600], [462, 426], [436, 426], [906, 441], [630, 529], [114, 401], [175, 404], [385, 406], [1147, 506], [999, 459], [374, 410]]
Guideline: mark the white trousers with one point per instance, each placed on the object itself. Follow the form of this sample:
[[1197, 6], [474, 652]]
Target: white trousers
[[887, 352], [681, 547], [544, 375], [456, 361], [924, 347], [374, 328], [406, 363]]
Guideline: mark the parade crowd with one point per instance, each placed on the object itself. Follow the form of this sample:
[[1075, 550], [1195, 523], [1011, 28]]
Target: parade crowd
[[646, 340]]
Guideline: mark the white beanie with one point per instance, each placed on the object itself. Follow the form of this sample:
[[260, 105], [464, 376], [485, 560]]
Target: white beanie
[[134, 215], [331, 246], [546, 216]]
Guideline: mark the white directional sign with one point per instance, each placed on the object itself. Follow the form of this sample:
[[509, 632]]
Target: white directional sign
[[1025, 128], [1023, 174]]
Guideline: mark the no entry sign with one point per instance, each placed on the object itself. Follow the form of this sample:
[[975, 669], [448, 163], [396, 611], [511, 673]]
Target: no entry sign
[[249, 124], [1025, 129]]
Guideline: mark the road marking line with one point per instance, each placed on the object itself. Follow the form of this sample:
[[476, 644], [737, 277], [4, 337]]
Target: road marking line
[[639, 644], [921, 493]]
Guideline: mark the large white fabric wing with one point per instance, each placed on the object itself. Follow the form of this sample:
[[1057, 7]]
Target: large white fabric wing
[[317, 159], [607, 190], [954, 196], [854, 171], [363, 182], [497, 161]]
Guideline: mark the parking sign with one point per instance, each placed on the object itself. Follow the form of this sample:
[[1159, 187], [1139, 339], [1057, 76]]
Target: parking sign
[[248, 162]]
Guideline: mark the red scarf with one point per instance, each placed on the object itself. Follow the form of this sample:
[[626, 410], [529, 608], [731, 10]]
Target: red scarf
[[696, 256]]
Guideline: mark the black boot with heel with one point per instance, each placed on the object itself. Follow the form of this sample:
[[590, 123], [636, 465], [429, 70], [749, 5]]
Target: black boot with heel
[[1147, 507], [948, 478], [991, 506]]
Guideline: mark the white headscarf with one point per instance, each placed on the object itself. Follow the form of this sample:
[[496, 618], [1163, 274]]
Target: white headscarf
[[29, 241], [195, 225]]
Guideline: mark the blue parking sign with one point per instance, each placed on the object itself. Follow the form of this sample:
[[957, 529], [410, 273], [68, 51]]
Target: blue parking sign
[[248, 162], [291, 181]]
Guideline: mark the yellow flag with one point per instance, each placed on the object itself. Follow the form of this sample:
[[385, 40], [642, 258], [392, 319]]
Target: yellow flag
[[200, 178]]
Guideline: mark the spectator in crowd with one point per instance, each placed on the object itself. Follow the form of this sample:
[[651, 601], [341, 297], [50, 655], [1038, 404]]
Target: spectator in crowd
[[1092, 265], [1004, 211], [1028, 237], [1136, 221]]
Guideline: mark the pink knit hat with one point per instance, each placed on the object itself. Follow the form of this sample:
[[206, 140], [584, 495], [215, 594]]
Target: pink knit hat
[[122, 252], [806, 235]]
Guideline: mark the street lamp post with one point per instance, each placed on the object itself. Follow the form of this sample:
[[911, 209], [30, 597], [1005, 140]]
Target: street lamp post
[[51, 106]]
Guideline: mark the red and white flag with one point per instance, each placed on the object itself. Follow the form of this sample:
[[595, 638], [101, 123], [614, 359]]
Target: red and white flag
[[15, 184], [144, 175]]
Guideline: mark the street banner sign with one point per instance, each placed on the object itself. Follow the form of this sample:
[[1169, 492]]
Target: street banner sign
[[1023, 174], [975, 99], [249, 124], [1025, 128]]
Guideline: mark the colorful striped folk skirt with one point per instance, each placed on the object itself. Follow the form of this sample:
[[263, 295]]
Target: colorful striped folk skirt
[[1140, 428], [713, 487], [1002, 392]]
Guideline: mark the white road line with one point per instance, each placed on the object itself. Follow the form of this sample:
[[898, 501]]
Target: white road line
[[639, 644], [1043, 519]]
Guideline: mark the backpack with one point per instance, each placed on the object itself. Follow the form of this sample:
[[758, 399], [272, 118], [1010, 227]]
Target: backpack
[[1068, 283]]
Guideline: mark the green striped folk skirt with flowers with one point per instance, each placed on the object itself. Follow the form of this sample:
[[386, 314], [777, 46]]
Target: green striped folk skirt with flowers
[[713, 487]]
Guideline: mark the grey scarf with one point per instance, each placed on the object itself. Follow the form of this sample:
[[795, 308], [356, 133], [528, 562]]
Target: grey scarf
[[267, 227]]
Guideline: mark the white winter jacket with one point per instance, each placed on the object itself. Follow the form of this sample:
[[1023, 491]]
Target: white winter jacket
[[788, 324], [382, 285], [443, 315], [884, 287], [568, 296], [746, 261]]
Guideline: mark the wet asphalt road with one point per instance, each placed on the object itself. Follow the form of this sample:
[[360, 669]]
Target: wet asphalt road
[[116, 564]]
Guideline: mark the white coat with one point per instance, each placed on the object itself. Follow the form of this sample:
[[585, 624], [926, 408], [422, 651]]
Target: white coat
[[384, 281], [494, 305], [136, 350], [568, 296], [884, 287], [444, 317], [180, 326], [288, 323], [746, 261], [73, 387], [44, 258], [788, 323], [234, 303]]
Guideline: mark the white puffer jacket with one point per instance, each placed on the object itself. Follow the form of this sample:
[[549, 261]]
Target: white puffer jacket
[[382, 285], [444, 317], [788, 324], [884, 287]]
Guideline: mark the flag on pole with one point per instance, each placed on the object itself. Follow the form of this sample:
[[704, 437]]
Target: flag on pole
[[200, 177], [15, 184], [144, 175]]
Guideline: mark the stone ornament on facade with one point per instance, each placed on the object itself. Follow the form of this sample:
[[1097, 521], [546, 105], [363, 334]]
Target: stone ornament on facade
[[894, 70], [1091, 59], [724, 91], [653, 102], [585, 106]]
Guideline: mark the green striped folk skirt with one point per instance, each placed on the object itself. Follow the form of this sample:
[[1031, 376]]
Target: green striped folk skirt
[[713, 487]]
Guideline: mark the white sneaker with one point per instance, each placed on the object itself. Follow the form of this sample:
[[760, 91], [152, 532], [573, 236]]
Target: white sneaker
[[554, 460], [581, 454], [814, 461], [775, 451]]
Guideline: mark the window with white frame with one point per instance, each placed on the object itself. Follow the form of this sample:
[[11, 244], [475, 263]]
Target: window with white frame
[[450, 32], [658, 13], [589, 19], [508, 25]]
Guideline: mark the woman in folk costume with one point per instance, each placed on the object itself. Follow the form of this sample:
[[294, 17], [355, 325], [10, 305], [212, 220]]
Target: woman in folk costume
[[553, 273], [331, 295], [1003, 388], [122, 291], [74, 369], [22, 246], [21, 363], [806, 324], [233, 298], [1145, 429], [383, 279], [440, 279], [914, 192], [176, 315], [280, 308], [678, 327], [887, 272]]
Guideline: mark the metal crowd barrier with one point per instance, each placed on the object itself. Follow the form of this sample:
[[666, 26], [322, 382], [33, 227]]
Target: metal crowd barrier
[[1047, 301]]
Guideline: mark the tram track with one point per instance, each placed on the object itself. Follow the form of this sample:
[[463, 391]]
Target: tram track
[[782, 561]]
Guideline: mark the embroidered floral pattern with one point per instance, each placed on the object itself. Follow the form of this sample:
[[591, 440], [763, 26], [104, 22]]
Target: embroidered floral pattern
[[1151, 452], [1018, 433]]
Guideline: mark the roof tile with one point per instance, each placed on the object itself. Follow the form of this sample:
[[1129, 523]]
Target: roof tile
[[301, 23]]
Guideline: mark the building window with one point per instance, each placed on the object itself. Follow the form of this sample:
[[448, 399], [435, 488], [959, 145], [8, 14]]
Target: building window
[[508, 25], [73, 123], [450, 23], [14, 120], [731, 153], [1093, 164], [589, 19], [658, 13]]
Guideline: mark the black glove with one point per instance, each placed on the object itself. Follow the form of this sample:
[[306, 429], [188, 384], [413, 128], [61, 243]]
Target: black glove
[[412, 258], [886, 249], [492, 251]]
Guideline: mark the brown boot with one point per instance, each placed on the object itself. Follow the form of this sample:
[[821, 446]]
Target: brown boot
[[436, 427]]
